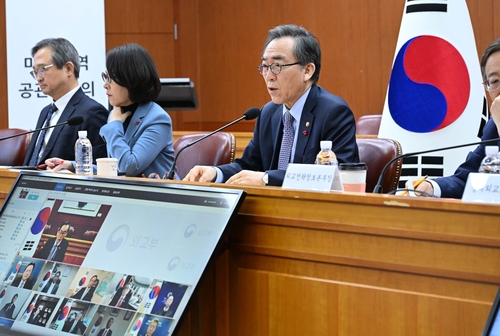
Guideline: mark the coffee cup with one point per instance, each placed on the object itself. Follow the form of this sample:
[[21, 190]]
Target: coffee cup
[[353, 176], [107, 167]]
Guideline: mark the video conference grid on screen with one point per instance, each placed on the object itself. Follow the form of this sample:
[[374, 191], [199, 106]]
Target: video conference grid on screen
[[86, 256]]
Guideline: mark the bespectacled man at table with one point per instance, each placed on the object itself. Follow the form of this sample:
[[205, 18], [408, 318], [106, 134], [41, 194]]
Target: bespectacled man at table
[[55, 248], [299, 116]]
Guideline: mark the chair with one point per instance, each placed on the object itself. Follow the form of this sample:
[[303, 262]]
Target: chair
[[213, 151], [376, 153], [368, 124], [13, 151]]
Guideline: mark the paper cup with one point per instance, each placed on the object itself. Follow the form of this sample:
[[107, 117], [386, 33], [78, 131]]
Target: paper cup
[[107, 167], [353, 176]]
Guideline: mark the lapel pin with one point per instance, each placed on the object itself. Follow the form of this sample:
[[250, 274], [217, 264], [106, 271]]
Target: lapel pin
[[304, 132], [137, 122], [308, 123]]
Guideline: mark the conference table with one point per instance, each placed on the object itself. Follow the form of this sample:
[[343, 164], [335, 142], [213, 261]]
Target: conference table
[[332, 263]]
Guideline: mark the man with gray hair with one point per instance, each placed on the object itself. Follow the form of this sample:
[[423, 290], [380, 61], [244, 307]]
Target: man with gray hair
[[56, 68]]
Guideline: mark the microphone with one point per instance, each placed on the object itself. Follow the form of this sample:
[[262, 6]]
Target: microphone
[[378, 186], [75, 121], [250, 114]]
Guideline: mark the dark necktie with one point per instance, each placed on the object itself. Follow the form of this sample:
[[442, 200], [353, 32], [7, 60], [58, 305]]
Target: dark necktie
[[286, 142], [41, 137]]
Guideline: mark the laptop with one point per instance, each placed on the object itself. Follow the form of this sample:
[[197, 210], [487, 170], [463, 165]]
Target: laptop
[[95, 256], [492, 327]]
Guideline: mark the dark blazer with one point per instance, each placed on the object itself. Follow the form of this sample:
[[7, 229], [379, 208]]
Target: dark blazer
[[79, 327], [110, 332], [324, 117], [63, 138], [453, 186], [87, 297], [8, 310], [161, 312], [47, 286], [45, 250], [125, 301], [27, 285]]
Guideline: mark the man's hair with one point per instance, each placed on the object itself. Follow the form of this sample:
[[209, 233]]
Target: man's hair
[[32, 264], [63, 224], [15, 296], [306, 47], [132, 67], [58, 272], [62, 52], [155, 321], [491, 49]]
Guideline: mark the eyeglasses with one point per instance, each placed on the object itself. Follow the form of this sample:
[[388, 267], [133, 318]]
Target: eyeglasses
[[105, 77], [492, 84], [41, 71], [63, 232], [275, 68]]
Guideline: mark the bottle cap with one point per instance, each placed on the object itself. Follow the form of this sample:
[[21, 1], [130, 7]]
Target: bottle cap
[[325, 144], [82, 134], [491, 150], [353, 166]]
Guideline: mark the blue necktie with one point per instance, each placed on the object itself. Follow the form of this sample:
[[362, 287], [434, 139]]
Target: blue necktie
[[53, 251], [286, 142], [41, 137]]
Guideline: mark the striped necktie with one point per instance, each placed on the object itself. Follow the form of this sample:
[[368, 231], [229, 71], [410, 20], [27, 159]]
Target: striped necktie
[[286, 142], [39, 143]]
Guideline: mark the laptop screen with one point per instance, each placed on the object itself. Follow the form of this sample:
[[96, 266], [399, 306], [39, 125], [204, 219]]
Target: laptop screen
[[492, 327], [99, 256]]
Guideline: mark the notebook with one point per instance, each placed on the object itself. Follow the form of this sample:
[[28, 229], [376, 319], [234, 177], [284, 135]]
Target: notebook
[[93, 256]]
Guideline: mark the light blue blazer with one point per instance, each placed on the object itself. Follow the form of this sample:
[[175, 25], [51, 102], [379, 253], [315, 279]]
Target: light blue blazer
[[147, 145]]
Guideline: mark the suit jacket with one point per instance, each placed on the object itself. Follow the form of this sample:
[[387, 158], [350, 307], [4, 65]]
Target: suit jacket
[[101, 332], [27, 285], [86, 297], [147, 145], [8, 310], [324, 117], [63, 138], [45, 250], [116, 297], [79, 327], [161, 312], [47, 286], [453, 186]]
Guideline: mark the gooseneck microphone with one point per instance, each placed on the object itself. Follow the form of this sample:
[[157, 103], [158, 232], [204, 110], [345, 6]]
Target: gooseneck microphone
[[378, 186], [250, 114], [75, 121]]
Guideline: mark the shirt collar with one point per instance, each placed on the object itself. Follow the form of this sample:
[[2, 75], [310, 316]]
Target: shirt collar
[[296, 110], [62, 102]]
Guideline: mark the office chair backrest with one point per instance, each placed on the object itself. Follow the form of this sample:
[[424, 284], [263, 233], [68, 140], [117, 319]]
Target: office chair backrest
[[376, 153], [213, 151], [13, 151], [368, 124]]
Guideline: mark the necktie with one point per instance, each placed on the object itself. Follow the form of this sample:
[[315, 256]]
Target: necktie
[[52, 252], [21, 284], [105, 332], [286, 142], [119, 302], [41, 136]]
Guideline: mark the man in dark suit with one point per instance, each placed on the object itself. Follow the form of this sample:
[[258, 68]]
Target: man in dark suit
[[24, 280], [86, 293], [55, 248], [56, 68], [453, 186], [165, 310], [75, 325], [291, 126], [122, 297], [35, 317], [8, 310], [107, 331], [52, 285]]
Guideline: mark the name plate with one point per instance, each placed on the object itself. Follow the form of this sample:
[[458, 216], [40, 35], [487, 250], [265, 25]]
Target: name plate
[[312, 177], [482, 187]]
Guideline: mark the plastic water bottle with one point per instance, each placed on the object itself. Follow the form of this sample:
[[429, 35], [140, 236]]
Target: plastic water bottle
[[491, 162], [326, 156], [83, 154]]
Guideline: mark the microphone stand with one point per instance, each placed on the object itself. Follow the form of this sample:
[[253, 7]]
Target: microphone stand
[[171, 172], [378, 186]]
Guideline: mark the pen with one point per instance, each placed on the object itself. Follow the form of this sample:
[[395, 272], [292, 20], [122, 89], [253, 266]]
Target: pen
[[43, 165], [415, 185]]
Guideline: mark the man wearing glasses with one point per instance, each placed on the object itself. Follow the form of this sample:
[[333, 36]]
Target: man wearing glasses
[[55, 248], [56, 68], [291, 126]]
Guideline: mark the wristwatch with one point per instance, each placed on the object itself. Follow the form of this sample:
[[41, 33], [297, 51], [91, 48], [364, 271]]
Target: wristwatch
[[265, 178]]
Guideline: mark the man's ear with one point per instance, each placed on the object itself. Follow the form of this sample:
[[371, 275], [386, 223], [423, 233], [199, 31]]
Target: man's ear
[[309, 70]]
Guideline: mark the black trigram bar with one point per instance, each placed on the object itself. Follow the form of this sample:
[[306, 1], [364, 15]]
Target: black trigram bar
[[417, 8]]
